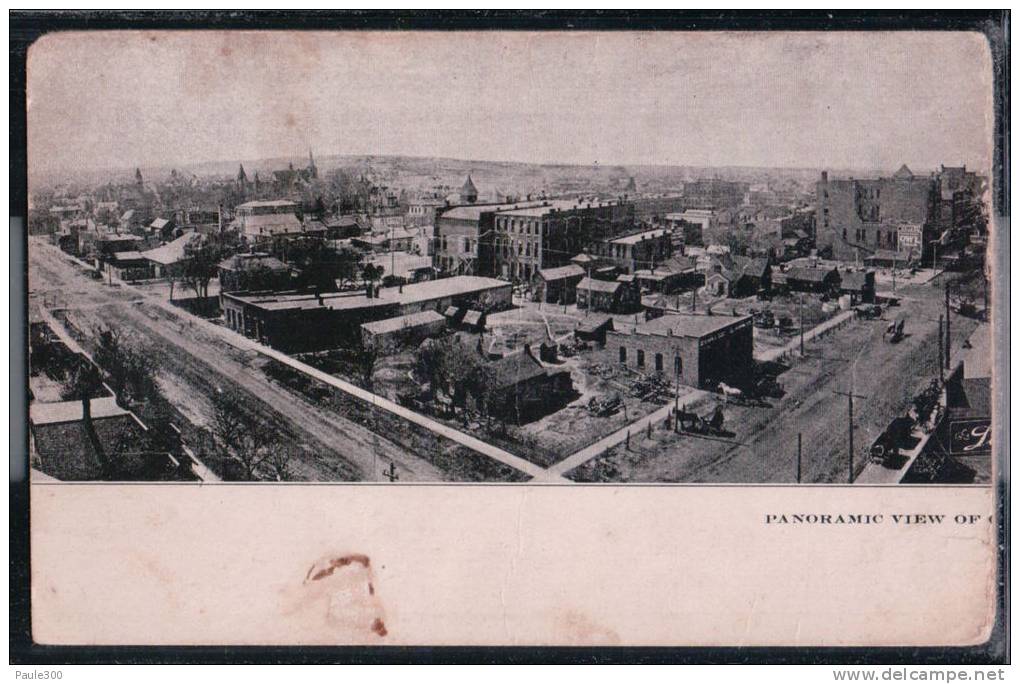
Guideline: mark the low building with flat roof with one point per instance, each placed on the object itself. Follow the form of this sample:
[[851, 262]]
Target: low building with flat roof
[[391, 334], [310, 321], [700, 351]]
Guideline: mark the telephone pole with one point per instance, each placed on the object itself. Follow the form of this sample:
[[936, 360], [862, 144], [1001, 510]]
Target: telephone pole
[[391, 473], [802, 324], [947, 326], [799, 437], [938, 360], [850, 428]]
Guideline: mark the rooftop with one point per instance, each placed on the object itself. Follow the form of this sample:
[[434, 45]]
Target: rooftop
[[571, 271], [268, 203], [388, 325], [273, 223], [977, 361], [172, 252], [599, 285], [688, 325], [638, 237], [553, 206], [70, 411], [415, 292], [474, 212]]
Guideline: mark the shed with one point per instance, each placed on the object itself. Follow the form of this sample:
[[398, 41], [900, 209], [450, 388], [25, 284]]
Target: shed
[[391, 334]]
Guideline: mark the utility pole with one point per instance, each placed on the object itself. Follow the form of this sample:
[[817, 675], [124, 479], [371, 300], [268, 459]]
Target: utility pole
[[391, 473], [802, 324], [799, 436], [938, 361], [948, 338], [850, 428]]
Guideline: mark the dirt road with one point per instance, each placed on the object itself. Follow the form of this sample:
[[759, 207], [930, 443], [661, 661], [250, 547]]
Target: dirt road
[[195, 366], [763, 443]]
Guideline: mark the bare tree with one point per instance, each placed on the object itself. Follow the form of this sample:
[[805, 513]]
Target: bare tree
[[242, 437]]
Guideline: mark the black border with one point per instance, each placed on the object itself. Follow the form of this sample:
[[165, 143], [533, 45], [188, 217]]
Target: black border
[[26, 27]]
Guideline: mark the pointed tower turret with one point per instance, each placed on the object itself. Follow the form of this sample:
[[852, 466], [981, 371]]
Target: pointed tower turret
[[468, 192]]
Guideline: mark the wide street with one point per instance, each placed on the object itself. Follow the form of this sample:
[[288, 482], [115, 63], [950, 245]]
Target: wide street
[[192, 365], [763, 443]]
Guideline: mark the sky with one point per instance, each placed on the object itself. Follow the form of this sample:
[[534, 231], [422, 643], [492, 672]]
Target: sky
[[813, 100]]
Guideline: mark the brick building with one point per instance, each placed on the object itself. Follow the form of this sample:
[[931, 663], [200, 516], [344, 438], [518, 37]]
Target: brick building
[[857, 218], [528, 239], [630, 253], [464, 235], [700, 351]]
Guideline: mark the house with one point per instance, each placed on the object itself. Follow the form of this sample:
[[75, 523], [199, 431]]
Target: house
[[609, 296], [392, 334], [253, 272], [341, 227], [170, 259], [676, 274], [860, 285], [736, 276], [162, 228], [129, 266], [817, 280], [557, 285], [523, 389]]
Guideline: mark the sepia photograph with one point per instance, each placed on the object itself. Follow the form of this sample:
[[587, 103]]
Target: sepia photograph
[[421, 257], [376, 334]]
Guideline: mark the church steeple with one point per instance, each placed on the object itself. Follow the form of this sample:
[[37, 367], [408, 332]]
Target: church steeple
[[468, 192], [312, 170]]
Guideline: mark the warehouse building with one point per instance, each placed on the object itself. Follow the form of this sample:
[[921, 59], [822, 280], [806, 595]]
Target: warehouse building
[[701, 350], [297, 322]]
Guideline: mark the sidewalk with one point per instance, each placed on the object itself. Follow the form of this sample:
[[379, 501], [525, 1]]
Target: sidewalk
[[794, 345], [240, 342]]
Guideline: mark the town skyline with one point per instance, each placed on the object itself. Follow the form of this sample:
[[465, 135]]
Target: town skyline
[[635, 99]]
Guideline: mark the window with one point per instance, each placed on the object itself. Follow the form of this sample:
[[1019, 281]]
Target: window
[[678, 365], [658, 362], [623, 355], [640, 358]]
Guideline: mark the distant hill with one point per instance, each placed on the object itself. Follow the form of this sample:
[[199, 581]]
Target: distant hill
[[489, 176]]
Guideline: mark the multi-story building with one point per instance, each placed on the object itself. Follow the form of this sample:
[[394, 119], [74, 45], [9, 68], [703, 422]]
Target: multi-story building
[[857, 218], [527, 239], [644, 250], [715, 193], [463, 235]]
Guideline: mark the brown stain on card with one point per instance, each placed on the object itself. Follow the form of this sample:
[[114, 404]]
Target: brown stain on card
[[336, 601]]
